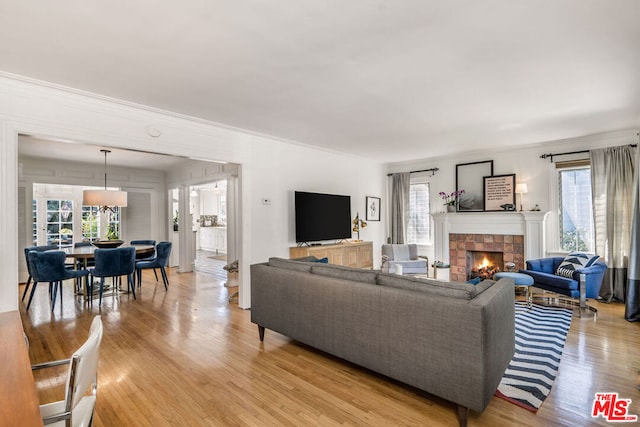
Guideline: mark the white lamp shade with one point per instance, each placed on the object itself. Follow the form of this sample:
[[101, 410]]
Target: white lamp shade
[[104, 198], [522, 189]]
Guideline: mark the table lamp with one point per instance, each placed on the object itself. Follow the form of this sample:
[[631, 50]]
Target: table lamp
[[521, 189]]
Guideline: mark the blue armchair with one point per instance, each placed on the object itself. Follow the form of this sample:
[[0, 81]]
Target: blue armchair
[[584, 283]]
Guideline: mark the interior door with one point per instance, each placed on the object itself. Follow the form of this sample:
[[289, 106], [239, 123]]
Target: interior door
[[54, 222]]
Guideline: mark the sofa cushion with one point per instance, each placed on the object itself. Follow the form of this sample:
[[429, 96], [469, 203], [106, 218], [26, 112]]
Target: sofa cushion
[[575, 260], [552, 280], [308, 258], [290, 264], [346, 273], [434, 287]]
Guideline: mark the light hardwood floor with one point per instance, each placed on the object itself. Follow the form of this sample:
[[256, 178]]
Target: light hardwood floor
[[187, 357]]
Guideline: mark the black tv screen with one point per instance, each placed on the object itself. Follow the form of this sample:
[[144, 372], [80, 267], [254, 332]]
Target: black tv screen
[[322, 216]]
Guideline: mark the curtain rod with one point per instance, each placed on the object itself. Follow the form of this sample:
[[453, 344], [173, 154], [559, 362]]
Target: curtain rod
[[552, 155], [432, 170]]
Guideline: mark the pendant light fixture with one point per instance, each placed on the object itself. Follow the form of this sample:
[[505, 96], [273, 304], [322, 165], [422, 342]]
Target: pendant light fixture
[[108, 200]]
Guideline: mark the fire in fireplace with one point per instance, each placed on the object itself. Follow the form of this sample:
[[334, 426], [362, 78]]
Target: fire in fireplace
[[483, 264]]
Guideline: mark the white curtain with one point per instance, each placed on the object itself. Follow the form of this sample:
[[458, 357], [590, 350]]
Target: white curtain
[[632, 297], [612, 173], [399, 206]]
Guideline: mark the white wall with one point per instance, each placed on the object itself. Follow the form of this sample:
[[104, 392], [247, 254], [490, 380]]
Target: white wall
[[285, 168], [525, 162], [268, 167]]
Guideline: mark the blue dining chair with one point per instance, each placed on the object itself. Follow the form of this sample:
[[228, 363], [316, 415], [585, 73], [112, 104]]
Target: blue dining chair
[[114, 263], [26, 257], [146, 257], [163, 250], [50, 267]]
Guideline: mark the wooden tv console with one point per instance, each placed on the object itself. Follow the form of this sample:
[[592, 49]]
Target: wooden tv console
[[350, 254]]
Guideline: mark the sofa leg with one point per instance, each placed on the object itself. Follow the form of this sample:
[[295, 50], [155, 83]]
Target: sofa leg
[[583, 291], [261, 332], [463, 415]]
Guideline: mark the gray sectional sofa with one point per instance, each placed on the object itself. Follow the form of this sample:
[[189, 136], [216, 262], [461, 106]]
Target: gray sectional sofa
[[453, 340]]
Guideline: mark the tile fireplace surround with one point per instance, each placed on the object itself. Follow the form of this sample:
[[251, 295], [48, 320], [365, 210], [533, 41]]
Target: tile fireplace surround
[[511, 246], [520, 235]]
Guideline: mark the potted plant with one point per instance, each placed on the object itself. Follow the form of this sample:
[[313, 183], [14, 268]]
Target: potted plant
[[112, 233], [451, 199], [175, 222]]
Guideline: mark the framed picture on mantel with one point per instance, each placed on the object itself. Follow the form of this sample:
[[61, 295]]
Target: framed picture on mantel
[[469, 178], [500, 193]]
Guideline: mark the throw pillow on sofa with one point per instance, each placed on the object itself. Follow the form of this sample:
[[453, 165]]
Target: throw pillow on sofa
[[574, 261]]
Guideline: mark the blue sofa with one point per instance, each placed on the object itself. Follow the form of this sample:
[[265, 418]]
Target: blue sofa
[[543, 272]]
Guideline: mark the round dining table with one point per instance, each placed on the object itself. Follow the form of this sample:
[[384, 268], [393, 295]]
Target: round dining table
[[85, 253]]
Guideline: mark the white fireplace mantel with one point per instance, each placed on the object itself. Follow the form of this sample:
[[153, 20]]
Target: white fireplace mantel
[[530, 224]]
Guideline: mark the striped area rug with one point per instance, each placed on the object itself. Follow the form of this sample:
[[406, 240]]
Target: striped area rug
[[540, 336]]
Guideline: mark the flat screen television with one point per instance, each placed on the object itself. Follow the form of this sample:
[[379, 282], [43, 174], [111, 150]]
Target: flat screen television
[[322, 216]]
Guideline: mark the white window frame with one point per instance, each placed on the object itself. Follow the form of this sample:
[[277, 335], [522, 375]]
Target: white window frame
[[417, 179], [554, 239]]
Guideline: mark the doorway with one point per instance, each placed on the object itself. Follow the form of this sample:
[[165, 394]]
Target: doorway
[[208, 206]]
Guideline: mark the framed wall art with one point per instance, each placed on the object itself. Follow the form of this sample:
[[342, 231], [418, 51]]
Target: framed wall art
[[373, 208], [469, 177], [500, 192]]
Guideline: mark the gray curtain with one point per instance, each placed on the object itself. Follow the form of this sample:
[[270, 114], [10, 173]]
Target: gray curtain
[[632, 300], [399, 206], [612, 173]]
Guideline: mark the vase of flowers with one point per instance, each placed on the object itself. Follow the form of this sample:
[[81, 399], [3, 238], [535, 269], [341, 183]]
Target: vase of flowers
[[451, 199]]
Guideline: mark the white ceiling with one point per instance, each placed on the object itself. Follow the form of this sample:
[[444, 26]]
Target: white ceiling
[[392, 80], [77, 152]]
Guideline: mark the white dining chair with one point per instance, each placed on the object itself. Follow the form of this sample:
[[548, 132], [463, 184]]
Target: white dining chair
[[76, 410]]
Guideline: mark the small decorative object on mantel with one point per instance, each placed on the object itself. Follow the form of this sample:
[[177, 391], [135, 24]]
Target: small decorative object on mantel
[[451, 199], [508, 207]]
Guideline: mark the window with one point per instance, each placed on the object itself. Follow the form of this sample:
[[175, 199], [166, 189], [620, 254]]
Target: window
[[59, 222], [418, 227], [113, 230], [576, 210], [90, 223]]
